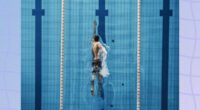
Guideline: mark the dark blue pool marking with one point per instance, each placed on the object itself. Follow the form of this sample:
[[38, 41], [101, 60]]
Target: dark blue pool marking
[[102, 13], [38, 12], [166, 13]]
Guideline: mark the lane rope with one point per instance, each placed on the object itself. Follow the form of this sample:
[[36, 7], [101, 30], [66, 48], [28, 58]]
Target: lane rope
[[138, 52], [62, 53]]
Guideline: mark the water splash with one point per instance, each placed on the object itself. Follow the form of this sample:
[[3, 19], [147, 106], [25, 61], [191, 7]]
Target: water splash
[[103, 56]]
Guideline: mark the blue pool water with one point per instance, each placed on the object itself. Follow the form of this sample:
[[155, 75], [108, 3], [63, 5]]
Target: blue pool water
[[117, 22]]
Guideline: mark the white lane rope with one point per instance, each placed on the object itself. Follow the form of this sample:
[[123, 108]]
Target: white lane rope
[[138, 53], [62, 53]]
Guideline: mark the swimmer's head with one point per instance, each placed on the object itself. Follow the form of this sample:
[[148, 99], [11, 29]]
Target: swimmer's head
[[96, 38]]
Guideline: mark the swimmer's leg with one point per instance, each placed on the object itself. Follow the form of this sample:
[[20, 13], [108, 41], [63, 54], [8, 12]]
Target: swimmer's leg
[[100, 86], [92, 87], [93, 79]]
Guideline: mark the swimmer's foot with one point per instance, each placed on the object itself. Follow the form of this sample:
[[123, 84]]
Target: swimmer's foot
[[92, 88], [92, 92], [101, 94]]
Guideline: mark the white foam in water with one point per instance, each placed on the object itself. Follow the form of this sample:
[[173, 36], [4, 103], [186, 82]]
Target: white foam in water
[[103, 56]]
